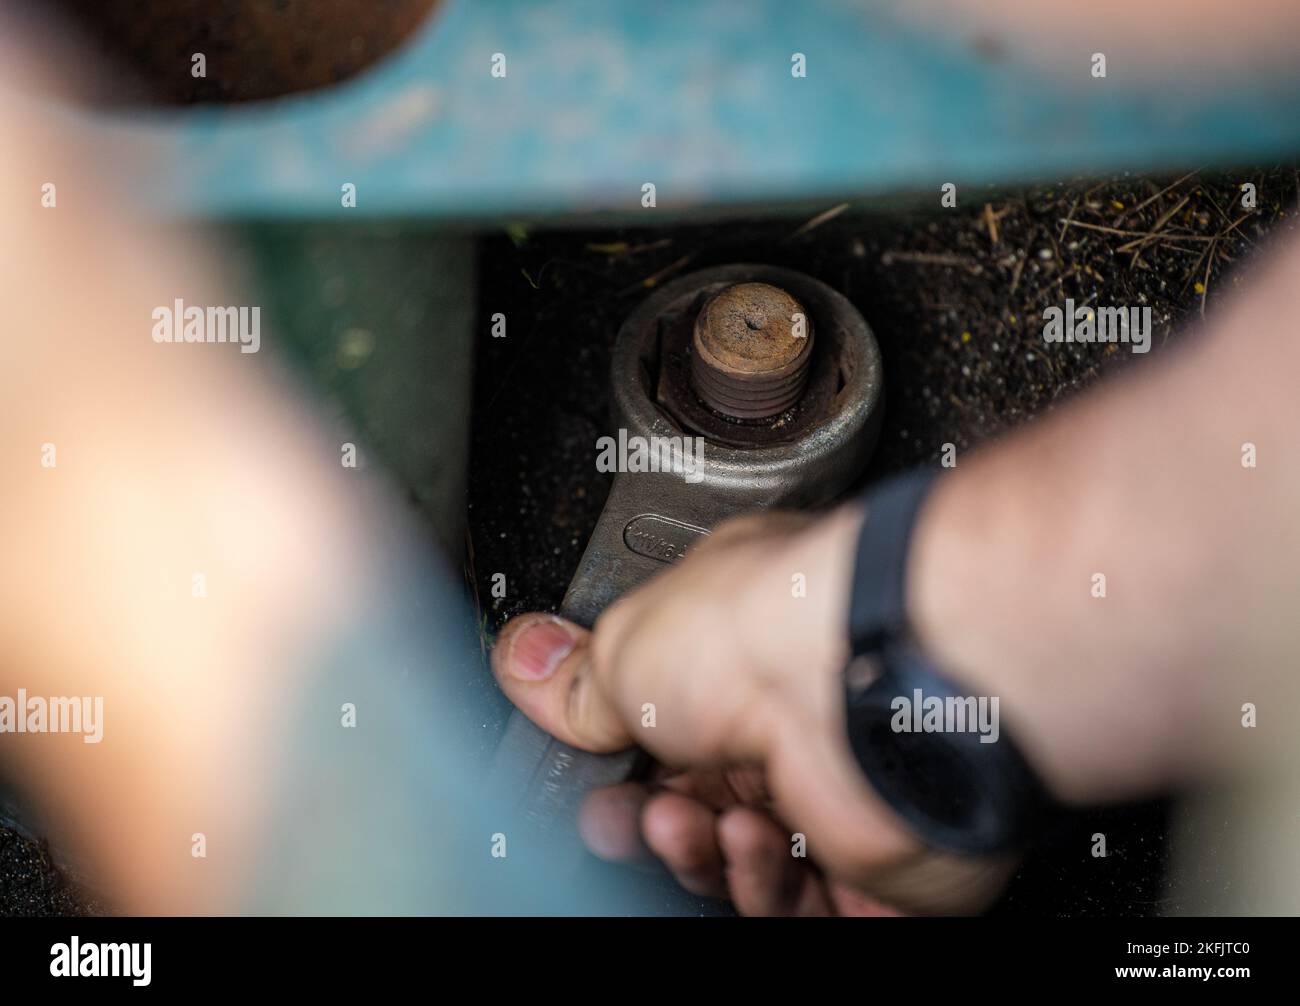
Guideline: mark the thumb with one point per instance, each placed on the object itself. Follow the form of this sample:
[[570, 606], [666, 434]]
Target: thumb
[[543, 664]]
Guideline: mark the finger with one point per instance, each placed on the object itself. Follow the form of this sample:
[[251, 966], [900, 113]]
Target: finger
[[763, 877], [543, 665], [859, 840], [851, 902], [680, 831], [609, 822], [720, 788]]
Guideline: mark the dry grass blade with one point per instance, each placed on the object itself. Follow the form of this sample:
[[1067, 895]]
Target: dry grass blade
[[818, 220], [1151, 199]]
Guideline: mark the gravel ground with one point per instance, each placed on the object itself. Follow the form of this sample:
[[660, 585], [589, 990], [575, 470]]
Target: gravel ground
[[30, 883]]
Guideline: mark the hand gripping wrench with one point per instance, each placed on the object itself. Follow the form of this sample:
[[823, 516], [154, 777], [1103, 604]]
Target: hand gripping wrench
[[781, 376]]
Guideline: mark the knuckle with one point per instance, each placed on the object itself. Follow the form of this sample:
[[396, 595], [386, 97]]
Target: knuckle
[[589, 715]]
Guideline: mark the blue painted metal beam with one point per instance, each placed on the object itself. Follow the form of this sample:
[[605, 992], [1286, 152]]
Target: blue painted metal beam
[[601, 96]]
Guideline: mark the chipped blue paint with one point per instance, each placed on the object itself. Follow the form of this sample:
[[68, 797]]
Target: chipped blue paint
[[697, 97]]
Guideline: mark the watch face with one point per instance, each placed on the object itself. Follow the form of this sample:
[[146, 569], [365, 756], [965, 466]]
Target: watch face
[[952, 788], [928, 773]]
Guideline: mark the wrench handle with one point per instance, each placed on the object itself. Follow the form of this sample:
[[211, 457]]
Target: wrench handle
[[545, 780]]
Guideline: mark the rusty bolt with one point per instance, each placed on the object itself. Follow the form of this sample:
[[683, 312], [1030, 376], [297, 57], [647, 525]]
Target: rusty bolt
[[750, 354]]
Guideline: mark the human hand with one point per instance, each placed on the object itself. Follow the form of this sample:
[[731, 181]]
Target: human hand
[[732, 679]]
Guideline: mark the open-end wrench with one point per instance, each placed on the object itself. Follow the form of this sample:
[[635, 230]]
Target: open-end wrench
[[803, 456]]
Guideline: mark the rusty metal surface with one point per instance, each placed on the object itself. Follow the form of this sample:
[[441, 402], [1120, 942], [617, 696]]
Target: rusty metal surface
[[652, 518], [750, 353], [671, 358], [253, 48]]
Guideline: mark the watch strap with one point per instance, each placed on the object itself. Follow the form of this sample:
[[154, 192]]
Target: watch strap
[[968, 790], [878, 596]]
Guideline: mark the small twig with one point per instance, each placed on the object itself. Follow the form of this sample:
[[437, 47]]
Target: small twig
[[1147, 202], [1205, 283], [927, 258], [1234, 225], [1015, 274], [1134, 234], [1168, 215], [991, 222], [1136, 246], [1068, 217], [818, 220], [653, 280], [1192, 271], [1165, 243], [625, 250], [1098, 227]]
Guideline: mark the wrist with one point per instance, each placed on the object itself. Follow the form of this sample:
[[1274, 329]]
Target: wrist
[[930, 746], [972, 630], [998, 598]]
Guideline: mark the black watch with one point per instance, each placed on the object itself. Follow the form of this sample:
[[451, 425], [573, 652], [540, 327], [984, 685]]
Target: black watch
[[933, 751]]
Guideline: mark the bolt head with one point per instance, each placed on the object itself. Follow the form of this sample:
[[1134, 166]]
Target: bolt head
[[750, 357]]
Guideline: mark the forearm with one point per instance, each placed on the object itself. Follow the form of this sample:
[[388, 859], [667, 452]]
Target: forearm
[[154, 560], [1147, 42], [1141, 482]]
